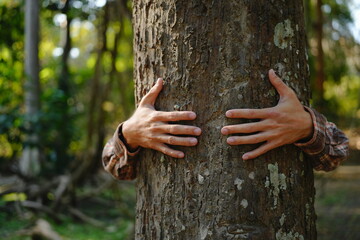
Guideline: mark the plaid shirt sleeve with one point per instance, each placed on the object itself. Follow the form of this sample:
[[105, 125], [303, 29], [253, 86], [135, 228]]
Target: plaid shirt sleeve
[[328, 147], [117, 159]]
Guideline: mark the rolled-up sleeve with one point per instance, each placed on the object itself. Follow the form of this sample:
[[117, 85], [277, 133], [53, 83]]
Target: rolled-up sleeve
[[117, 159], [328, 147]]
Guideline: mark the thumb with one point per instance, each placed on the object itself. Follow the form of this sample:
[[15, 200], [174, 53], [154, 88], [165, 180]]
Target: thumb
[[151, 96], [279, 85]]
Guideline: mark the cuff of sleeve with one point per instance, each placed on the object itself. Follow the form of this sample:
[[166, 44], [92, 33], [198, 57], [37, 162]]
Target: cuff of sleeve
[[120, 142], [317, 142], [313, 138]]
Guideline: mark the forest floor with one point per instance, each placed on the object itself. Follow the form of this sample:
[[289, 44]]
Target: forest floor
[[338, 197], [337, 206], [114, 208]]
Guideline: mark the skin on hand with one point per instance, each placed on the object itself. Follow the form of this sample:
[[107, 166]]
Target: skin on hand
[[286, 123], [149, 128]]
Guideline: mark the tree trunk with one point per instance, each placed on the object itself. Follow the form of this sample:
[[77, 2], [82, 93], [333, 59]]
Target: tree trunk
[[63, 138], [320, 61], [30, 160], [214, 56]]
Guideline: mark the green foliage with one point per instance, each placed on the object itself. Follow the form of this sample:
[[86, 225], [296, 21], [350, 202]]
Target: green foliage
[[10, 134], [11, 68], [344, 97], [64, 117], [338, 46]]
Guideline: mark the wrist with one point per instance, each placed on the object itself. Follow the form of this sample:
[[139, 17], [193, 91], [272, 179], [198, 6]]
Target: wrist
[[125, 136], [309, 127]]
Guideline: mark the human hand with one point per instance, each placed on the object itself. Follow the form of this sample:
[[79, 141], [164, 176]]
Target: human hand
[[286, 123], [149, 128]]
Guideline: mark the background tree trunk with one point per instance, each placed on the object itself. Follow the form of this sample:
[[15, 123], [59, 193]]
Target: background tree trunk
[[30, 161], [214, 56]]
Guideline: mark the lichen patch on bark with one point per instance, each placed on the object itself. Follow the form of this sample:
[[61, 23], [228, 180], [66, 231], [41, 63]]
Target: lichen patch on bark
[[238, 182], [280, 235], [282, 219], [276, 181], [283, 34], [244, 203]]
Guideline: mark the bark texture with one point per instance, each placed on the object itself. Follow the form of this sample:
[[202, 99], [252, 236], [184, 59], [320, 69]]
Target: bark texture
[[30, 160], [214, 56]]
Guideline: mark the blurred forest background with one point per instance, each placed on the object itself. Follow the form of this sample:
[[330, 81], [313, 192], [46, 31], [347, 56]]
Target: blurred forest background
[[59, 105]]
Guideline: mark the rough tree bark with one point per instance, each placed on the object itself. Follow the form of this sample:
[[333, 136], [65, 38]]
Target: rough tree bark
[[29, 163], [214, 56]]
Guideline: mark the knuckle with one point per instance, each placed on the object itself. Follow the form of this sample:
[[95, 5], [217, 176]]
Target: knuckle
[[189, 130], [152, 116], [273, 113], [173, 129], [276, 135], [165, 151], [171, 140], [272, 124], [172, 116], [152, 128], [152, 139]]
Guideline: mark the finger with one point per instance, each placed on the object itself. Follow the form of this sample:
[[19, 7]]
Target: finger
[[260, 150], [251, 139], [169, 151], [177, 129], [179, 141], [174, 116], [249, 113], [279, 85], [151, 96], [243, 128]]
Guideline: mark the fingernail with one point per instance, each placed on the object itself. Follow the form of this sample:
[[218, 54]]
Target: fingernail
[[228, 114], [193, 141], [197, 131], [230, 140], [245, 157], [192, 115], [272, 72], [180, 155], [225, 131]]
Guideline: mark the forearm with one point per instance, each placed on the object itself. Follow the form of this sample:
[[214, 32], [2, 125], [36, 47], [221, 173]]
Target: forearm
[[117, 160], [328, 147]]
